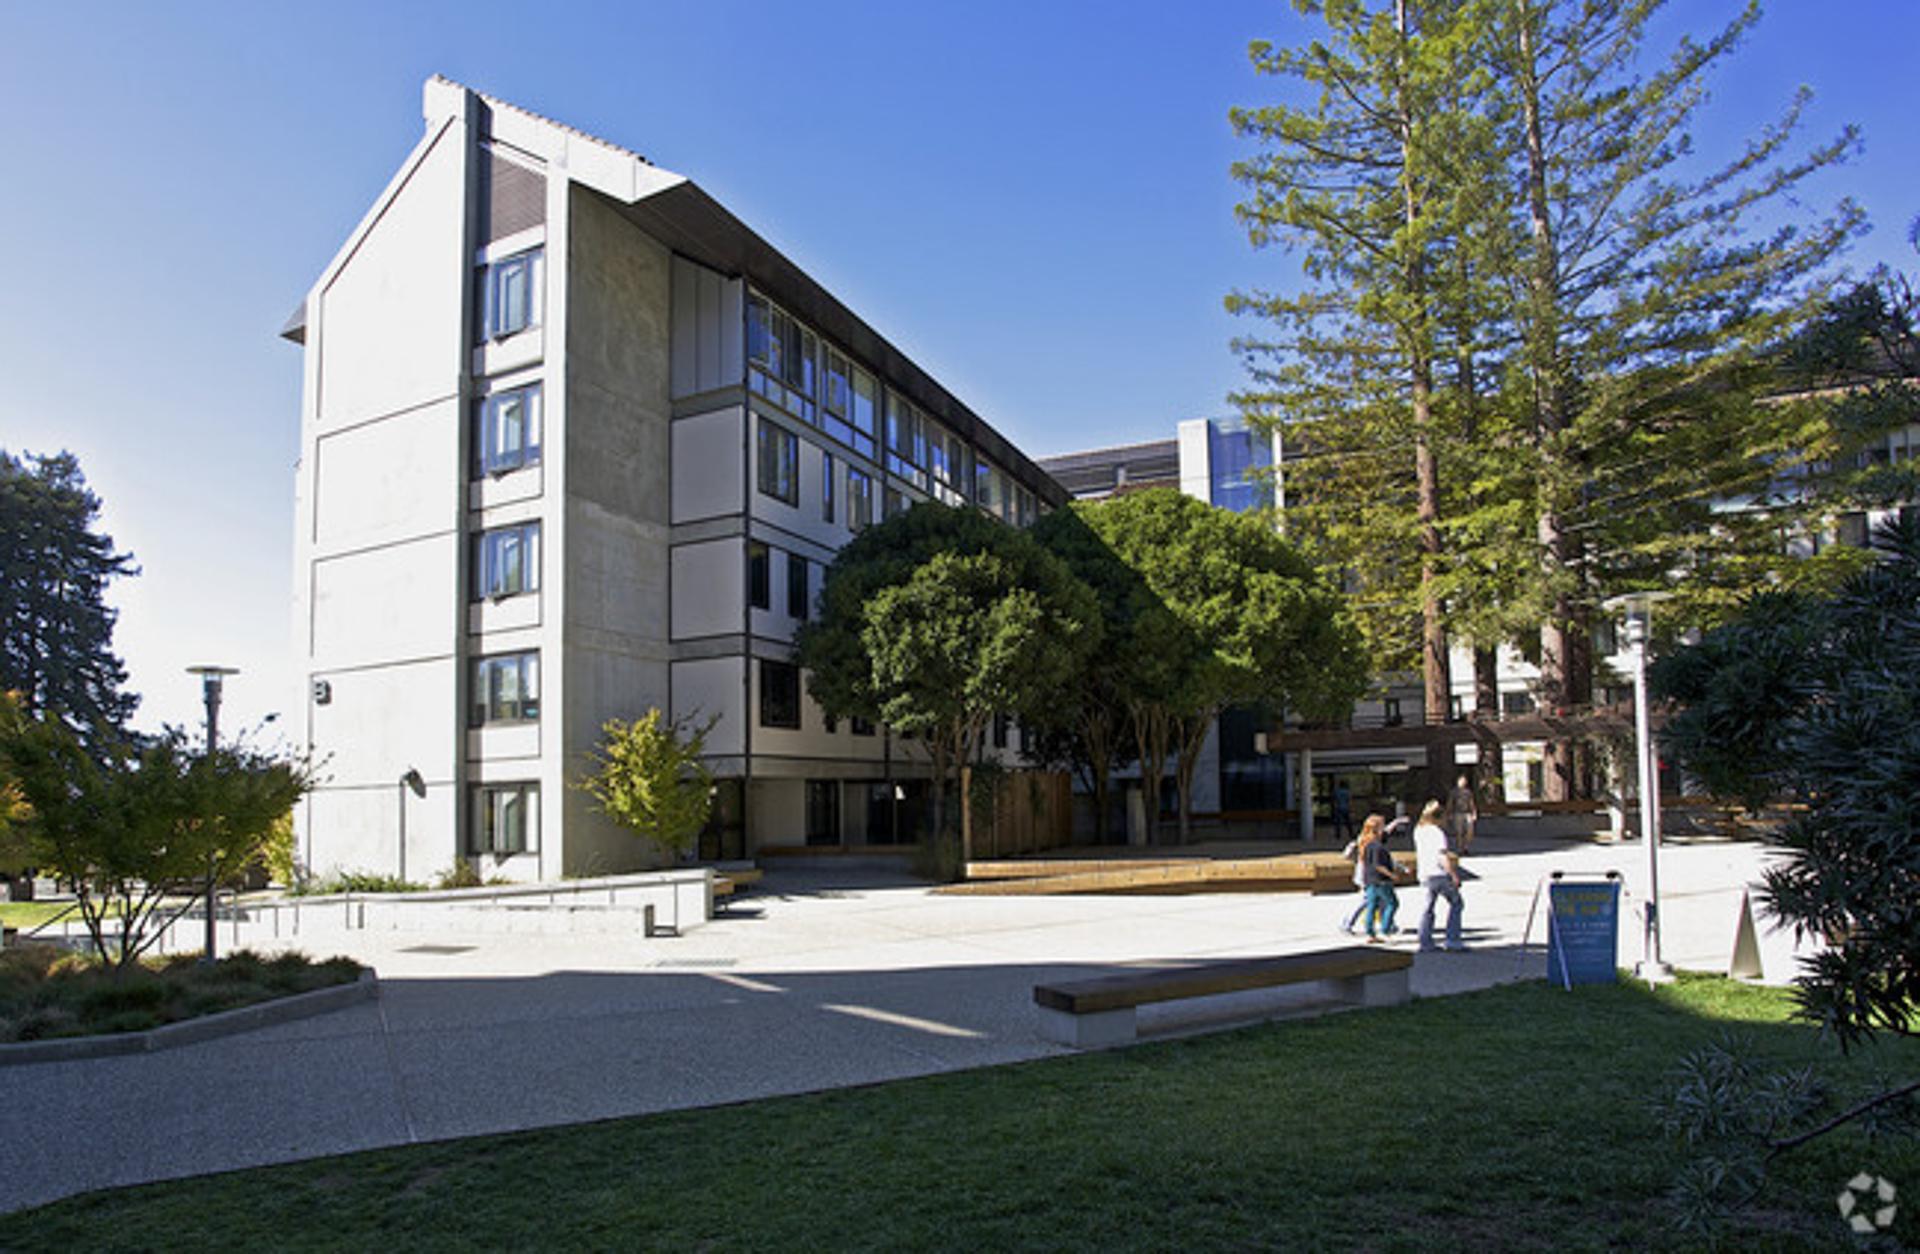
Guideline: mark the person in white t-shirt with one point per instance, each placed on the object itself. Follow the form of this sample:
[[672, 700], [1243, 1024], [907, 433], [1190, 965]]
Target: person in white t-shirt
[[1439, 870]]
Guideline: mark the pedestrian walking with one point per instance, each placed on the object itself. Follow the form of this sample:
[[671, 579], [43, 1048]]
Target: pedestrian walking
[[1463, 814], [1342, 810], [1439, 870], [1376, 863]]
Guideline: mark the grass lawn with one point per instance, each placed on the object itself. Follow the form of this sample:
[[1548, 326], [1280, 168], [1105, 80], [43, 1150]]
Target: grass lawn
[[1512, 1118], [47, 992], [27, 915]]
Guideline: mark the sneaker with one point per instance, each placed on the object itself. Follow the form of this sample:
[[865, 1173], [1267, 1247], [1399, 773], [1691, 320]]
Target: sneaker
[[1375, 940], [1429, 949], [1456, 949]]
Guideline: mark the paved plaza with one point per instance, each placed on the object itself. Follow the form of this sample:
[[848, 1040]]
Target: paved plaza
[[815, 980]]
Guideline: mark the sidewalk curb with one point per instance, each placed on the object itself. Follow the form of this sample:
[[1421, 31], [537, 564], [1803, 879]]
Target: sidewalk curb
[[193, 1031]]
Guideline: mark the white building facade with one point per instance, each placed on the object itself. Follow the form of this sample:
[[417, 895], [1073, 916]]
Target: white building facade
[[577, 443]]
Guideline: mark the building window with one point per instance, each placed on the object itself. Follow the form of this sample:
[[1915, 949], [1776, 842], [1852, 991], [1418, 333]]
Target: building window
[[784, 356], [906, 440], [860, 726], [1000, 725], [797, 599], [779, 695], [759, 576], [506, 819], [1851, 529], [779, 462], [827, 470], [513, 294], [507, 434], [506, 688], [1390, 712], [859, 499], [896, 503], [506, 561], [866, 394], [1516, 703]]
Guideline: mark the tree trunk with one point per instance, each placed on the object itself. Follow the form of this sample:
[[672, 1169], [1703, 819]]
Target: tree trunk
[[1436, 677], [1192, 739], [1550, 419], [1150, 733]]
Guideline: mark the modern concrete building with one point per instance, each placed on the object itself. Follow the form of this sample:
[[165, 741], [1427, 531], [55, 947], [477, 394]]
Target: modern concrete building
[[576, 442]]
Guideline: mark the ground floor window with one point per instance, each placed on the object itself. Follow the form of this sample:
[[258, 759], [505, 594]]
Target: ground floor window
[[506, 819]]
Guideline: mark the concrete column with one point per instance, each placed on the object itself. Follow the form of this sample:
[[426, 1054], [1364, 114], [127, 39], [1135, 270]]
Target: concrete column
[[1303, 794]]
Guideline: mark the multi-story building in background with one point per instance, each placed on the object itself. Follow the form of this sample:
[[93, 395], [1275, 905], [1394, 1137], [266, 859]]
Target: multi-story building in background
[[576, 442]]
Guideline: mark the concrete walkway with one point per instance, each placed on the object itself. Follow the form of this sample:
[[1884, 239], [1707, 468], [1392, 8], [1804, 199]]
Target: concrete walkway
[[812, 982]]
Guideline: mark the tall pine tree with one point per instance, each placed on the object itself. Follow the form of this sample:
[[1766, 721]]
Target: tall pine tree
[[56, 631]]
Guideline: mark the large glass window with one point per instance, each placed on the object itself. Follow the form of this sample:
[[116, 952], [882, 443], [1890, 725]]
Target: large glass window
[[828, 471], [779, 462], [507, 432], [506, 688], [895, 503], [859, 498], [797, 598], [906, 440], [866, 401], [512, 294], [784, 356], [779, 695], [506, 819], [1239, 462], [506, 561]]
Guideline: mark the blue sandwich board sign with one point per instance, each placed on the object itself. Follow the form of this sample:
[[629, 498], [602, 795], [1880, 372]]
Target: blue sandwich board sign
[[1583, 933]]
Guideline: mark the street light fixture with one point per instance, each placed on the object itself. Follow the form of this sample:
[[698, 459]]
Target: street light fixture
[[211, 680], [1638, 609], [411, 782]]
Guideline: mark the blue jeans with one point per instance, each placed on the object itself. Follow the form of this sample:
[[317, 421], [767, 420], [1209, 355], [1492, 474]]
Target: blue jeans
[[1439, 886], [1381, 905]]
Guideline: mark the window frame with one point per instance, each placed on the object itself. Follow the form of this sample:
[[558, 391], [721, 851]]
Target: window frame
[[480, 835], [486, 561], [798, 599], [759, 575], [483, 707], [785, 457], [771, 716], [531, 262], [488, 463]]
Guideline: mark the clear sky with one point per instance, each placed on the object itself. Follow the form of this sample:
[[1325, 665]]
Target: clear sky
[[1030, 198]]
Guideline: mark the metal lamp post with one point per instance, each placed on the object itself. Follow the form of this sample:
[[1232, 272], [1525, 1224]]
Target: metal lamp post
[[411, 782], [211, 679], [1638, 608]]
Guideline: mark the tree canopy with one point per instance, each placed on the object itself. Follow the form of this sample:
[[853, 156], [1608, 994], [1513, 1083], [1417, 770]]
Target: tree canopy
[[56, 630], [1817, 701], [940, 618], [1205, 608], [134, 827], [648, 777], [1539, 345]]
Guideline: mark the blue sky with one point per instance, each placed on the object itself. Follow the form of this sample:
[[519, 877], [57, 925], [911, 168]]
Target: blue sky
[[1030, 198]]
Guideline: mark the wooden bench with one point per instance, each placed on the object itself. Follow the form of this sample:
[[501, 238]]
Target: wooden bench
[[1089, 1014], [728, 883]]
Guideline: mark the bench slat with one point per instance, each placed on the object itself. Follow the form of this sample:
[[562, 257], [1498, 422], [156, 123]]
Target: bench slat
[[1116, 992]]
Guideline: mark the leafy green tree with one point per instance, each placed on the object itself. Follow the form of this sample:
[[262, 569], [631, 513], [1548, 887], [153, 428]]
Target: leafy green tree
[[1377, 187], [137, 830], [938, 619], [1223, 611], [56, 630], [1818, 702], [1091, 731], [647, 776]]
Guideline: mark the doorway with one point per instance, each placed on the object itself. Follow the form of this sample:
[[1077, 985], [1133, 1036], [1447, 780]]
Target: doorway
[[823, 812]]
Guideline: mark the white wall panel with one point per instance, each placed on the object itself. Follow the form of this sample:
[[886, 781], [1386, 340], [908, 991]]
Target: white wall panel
[[386, 604], [392, 315]]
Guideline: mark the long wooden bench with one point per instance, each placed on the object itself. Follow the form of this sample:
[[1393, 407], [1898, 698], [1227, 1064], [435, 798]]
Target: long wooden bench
[[1089, 1014]]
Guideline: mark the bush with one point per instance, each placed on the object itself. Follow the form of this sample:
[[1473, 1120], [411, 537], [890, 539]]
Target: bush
[[45, 993]]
